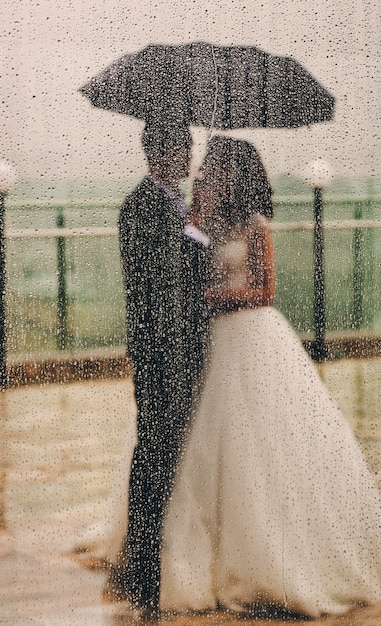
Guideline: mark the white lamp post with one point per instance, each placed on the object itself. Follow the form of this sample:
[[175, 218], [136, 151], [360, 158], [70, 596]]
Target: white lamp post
[[318, 174], [8, 177]]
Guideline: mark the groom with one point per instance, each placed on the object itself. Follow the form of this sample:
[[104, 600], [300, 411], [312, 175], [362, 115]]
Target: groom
[[164, 273]]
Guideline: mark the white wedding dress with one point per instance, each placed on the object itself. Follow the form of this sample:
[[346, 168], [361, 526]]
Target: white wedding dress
[[273, 502]]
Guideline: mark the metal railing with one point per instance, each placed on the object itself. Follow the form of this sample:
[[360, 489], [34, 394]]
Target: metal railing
[[61, 234]]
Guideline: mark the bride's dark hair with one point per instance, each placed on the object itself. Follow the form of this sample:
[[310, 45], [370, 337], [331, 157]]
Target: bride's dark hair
[[250, 190]]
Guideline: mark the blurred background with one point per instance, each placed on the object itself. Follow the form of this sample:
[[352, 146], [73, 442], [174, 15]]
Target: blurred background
[[75, 163]]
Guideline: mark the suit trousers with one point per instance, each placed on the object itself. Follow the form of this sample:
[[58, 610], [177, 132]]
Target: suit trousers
[[164, 400]]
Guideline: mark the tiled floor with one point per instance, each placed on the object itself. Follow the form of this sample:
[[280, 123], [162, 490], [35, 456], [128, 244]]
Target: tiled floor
[[59, 449]]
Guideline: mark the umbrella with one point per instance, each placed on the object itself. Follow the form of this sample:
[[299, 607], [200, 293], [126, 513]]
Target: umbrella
[[221, 87]]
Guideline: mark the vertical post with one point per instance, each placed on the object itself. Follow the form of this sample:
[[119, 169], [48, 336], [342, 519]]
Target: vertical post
[[358, 271], [369, 266], [3, 331], [319, 348], [62, 287], [318, 174]]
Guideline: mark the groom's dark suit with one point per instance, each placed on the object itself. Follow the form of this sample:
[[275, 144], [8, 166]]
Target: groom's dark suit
[[164, 274]]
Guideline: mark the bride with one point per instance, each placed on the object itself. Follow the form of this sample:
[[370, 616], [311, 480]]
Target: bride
[[273, 503]]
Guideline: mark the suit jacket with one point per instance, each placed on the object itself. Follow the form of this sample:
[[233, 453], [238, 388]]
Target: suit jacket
[[164, 275]]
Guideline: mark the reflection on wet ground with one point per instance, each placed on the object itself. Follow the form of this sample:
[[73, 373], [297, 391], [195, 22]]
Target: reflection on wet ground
[[59, 449]]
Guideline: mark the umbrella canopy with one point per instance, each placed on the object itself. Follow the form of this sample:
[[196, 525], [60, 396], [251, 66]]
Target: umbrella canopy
[[212, 86]]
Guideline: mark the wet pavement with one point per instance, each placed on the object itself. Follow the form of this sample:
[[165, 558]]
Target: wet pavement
[[59, 447]]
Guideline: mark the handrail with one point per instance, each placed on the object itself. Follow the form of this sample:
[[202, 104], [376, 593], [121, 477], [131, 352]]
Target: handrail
[[103, 231], [48, 233], [335, 224], [115, 203]]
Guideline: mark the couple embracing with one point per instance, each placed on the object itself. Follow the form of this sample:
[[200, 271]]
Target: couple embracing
[[247, 489]]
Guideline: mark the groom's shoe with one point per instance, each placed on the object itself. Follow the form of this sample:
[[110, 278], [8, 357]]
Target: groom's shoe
[[149, 607], [115, 590], [150, 614]]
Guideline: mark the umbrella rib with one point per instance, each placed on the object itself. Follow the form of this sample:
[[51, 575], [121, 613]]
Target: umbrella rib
[[215, 92]]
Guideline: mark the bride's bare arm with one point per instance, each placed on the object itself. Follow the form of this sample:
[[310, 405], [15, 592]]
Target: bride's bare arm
[[260, 288], [261, 259]]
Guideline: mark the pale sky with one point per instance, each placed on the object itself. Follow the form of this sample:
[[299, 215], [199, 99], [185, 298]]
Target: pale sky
[[49, 49]]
